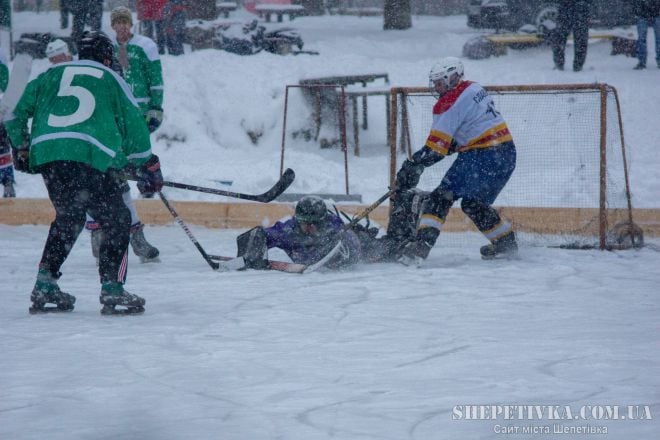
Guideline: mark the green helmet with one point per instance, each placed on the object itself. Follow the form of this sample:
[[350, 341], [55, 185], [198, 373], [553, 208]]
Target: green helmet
[[310, 209]]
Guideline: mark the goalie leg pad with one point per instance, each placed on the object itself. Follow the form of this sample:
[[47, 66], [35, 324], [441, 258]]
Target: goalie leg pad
[[407, 208], [252, 246]]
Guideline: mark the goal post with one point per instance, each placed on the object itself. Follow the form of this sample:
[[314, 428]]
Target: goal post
[[571, 180]]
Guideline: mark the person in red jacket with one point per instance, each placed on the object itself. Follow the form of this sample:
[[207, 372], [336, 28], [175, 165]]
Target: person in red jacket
[[150, 14]]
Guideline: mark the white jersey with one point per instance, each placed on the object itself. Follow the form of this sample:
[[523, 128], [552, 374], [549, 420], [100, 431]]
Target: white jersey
[[464, 119]]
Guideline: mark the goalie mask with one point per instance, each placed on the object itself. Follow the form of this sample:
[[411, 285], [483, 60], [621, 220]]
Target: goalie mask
[[445, 75]]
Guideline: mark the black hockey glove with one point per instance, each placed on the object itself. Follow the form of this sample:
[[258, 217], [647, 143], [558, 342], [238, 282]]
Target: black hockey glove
[[21, 160], [412, 169], [253, 247], [150, 178], [408, 175], [154, 118]]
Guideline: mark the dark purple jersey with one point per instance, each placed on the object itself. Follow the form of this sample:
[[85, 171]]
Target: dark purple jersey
[[309, 248]]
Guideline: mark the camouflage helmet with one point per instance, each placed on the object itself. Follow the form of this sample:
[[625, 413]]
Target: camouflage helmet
[[310, 209]]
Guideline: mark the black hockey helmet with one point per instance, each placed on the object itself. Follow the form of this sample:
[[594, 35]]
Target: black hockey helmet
[[310, 209], [95, 46]]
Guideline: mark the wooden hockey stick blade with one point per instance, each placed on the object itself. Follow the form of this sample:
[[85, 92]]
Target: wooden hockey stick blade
[[237, 263], [280, 186], [18, 79]]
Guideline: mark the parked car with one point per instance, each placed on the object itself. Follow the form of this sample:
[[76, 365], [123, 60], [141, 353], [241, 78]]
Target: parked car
[[542, 14]]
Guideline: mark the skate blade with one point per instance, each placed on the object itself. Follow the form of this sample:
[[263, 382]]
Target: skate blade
[[50, 309], [112, 310]]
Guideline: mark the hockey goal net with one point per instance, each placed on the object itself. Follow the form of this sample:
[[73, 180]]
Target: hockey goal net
[[570, 186]]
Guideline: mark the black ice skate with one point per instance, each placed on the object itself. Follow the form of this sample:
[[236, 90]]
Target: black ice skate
[[113, 295], [414, 253], [417, 250], [141, 247], [504, 247], [46, 291]]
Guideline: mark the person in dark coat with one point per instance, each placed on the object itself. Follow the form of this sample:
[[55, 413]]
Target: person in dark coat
[[174, 23], [150, 15], [647, 13], [65, 10], [85, 12], [573, 15]]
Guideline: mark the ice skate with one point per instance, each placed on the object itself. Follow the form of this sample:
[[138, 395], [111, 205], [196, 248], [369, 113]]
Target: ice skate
[[414, 253], [141, 247], [113, 295], [504, 247], [46, 291], [9, 191], [97, 237]]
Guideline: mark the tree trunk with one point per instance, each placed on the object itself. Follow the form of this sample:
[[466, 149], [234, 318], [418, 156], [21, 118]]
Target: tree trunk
[[397, 14]]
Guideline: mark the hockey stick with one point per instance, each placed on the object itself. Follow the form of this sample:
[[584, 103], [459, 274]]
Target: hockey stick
[[190, 235], [355, 220], [237, 263], [18, 79], [285, 181]]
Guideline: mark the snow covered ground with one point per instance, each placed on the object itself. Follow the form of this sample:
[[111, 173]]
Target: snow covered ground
[[377, 352]]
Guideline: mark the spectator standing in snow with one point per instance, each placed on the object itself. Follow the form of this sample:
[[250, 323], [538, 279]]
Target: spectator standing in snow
[[95, 14], [174, 17], [6, 162], [150, 15], [85, 12], [65, 10], [140, 62], [647, 13], [573, 15]]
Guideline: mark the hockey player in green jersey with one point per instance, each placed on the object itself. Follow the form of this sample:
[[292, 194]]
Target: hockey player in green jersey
[[57, 52], [86, 127], [139, 59], [6, 168]]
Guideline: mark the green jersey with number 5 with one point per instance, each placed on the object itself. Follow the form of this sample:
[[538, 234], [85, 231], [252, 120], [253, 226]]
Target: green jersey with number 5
[[82, 111]]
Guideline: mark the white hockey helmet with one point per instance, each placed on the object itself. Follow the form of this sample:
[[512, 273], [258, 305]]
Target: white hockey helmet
[[448, 70], [57, 47]]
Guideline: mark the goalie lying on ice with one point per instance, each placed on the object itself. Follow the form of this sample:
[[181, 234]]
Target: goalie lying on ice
[[306, 238], [314, 231]]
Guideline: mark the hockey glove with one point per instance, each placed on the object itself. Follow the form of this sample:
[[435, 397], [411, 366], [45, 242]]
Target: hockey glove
[[21, 160], [150, 177], [409, 175], [154, 118]]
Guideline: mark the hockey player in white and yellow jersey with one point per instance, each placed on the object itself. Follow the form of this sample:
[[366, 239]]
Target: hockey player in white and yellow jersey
[[465, 121]]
